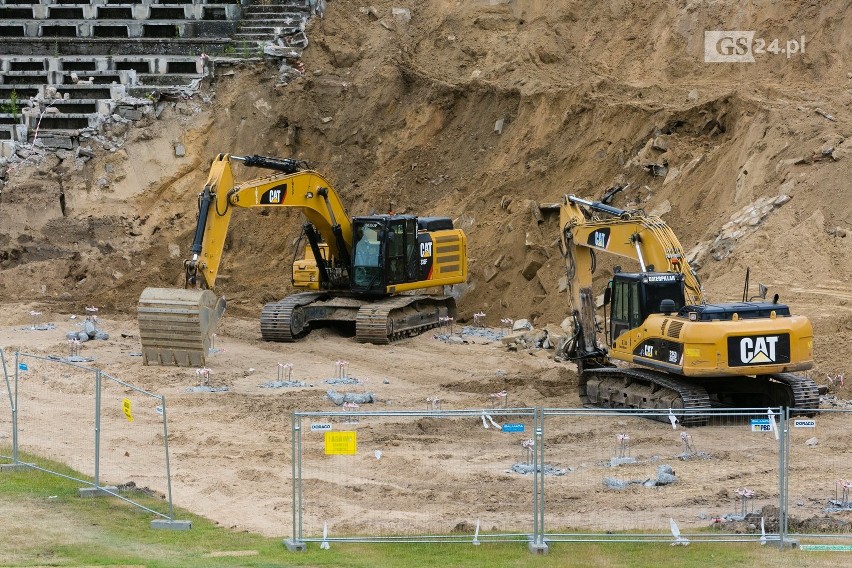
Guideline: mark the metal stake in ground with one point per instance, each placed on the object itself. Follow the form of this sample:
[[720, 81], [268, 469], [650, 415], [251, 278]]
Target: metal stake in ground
[[351, 407], [341, 369], [479, 319], [507, 323], [35, 318], [285, 371], [745, 496], [529, 447], [73, 348], [433, 403], [843, 485], [623, 448], [203, 375], [498, 399], [688, 448]]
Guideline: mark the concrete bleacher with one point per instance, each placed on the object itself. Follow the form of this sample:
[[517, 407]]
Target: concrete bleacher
[[121, 47]]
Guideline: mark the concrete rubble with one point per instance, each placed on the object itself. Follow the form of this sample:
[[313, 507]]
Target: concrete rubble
[[358, 398], [665, 476], [90, 331]]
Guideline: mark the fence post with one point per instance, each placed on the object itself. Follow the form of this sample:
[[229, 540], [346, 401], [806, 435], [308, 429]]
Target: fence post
[[171, 523], [295, 543], [538, 546], [784, 472], [168, 466], [97, 428], [97, 490], [15, 412]]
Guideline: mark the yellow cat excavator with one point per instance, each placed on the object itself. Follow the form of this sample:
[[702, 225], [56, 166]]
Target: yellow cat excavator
[[359, 270], [664, 346]]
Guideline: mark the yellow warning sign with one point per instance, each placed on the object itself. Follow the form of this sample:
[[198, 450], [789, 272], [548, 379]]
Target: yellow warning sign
[[126, 407], [340, 443]]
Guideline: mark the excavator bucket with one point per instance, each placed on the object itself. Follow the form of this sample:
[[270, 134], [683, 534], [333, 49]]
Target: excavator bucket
[[175, 325]]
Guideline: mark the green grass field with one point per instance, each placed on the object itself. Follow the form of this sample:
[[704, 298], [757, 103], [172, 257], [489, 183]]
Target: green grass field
[[45, 523]]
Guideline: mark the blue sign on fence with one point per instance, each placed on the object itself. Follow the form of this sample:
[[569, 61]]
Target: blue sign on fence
[[760, 425], [23, 367], [513, 427]]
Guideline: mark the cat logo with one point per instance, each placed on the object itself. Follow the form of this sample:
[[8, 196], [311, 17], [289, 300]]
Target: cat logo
[[599, 238], [425, 250], [274, 196], [758, 349]]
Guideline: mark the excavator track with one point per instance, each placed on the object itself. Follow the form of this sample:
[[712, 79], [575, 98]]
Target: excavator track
[[394, 318], [284, 321], [614, 387], [805, 393]]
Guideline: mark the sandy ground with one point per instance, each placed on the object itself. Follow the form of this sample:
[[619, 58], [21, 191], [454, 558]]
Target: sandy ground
[[402, 116], [231, 451]]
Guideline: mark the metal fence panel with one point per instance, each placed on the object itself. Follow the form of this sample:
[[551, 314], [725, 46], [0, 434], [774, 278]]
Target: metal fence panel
[[133, 444], [626, 475], [819, 480], [56, 411], [413, 476]]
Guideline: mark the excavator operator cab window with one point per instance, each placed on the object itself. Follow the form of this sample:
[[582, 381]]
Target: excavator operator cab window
[[635, 296], [367, 256], [402, 256]]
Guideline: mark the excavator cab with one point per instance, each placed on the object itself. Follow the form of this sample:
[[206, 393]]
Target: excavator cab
[[635, 296], [384, 252]]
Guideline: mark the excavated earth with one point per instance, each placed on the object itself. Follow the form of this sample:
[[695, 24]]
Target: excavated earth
[[482, 111]]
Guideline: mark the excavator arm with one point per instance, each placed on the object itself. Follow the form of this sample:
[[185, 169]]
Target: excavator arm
[[302, 189], [176, 326], [588, 226]]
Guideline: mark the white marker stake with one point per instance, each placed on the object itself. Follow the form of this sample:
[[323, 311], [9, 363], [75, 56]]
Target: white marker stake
[[378, 454], [476, 534], [324, 543], [772, 425], [484, 423], [673, 419], [762, 531]]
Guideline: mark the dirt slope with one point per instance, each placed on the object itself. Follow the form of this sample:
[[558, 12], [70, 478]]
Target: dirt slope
[[581, 88]]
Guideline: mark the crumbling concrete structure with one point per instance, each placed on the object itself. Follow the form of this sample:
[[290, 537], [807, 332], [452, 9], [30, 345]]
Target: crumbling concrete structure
[[68, 66]]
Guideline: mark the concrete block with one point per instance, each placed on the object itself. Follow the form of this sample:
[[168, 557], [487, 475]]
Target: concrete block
[[102, 491], [295, 545], [539, 547], [129, 113], [171, 525], [7, 148], [10, 467]]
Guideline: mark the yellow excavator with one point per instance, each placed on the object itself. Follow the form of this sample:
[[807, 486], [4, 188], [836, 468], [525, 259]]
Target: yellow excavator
[[360, 270], [664, 346]]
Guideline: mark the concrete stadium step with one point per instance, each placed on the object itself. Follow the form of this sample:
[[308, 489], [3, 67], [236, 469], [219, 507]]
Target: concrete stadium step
[[160, 79]]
